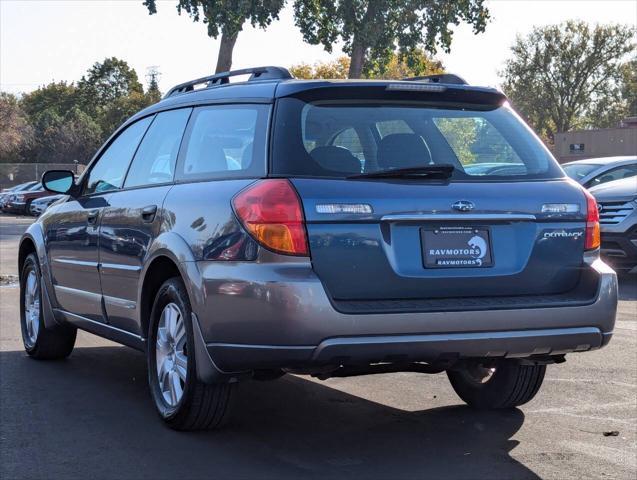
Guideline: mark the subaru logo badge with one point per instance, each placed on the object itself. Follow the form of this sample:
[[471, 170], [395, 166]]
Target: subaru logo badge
[[463, 206]]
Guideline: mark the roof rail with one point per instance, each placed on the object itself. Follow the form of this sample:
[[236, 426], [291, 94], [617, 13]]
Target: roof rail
[[448, 78], [257, 73]]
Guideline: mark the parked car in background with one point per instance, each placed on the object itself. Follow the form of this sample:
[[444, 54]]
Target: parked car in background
[[344, 235], [20, 202], [595, 171], [39, 205], [7, 192], [617, 204]]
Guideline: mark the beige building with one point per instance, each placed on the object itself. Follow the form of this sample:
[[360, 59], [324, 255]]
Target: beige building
[[605, 142]]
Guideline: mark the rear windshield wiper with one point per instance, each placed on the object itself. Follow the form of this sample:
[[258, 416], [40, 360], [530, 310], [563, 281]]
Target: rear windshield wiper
[[441, 171]]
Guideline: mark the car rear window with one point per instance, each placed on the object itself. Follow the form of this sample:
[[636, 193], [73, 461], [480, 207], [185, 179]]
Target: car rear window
[[342, 138]]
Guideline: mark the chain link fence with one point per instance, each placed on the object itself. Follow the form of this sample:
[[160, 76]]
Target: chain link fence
[[15, 173]]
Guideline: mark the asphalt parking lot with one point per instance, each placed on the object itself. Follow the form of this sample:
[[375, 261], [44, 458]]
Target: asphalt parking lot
[[91, 417]]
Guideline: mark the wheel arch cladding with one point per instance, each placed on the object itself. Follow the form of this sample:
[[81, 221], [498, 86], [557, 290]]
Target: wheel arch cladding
[[27, 246], [159, 270]]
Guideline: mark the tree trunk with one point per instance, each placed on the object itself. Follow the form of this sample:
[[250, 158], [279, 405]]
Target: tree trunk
[[366, 34], [357, 60], [224, 60]]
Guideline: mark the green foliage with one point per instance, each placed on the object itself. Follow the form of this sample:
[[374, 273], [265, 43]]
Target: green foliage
[[58, 97], [15, 132], [570, 75], [396, 67], [629, 85], [335, 69], [61, 122], [372, 30], [107, 81], [227, 16], [461, 133], [62, 139]]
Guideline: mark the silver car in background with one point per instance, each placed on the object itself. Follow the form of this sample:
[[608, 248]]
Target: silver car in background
[[617, 205], [596, 171]]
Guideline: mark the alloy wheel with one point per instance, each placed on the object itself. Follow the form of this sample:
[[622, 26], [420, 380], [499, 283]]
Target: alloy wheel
[[31, 308], [171, 354]]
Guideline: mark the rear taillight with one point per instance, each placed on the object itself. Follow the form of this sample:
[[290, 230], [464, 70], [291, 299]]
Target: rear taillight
[[592, 223], [270, 210]]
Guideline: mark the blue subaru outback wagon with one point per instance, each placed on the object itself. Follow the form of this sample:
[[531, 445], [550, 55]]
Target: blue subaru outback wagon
[[331, 228]]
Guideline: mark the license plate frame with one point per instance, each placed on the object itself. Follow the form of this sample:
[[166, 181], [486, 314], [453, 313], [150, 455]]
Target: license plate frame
[[456, 247]]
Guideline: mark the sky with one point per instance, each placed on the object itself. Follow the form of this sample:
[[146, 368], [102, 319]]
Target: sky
[[54, 40]]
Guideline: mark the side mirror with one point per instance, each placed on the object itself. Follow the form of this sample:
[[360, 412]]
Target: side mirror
[[58, 181]]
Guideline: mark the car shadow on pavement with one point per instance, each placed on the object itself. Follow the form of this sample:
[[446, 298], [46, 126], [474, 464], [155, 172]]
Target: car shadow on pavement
[[91, 417]]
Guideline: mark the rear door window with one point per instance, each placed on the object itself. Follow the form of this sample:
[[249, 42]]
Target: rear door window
[[224, 141]]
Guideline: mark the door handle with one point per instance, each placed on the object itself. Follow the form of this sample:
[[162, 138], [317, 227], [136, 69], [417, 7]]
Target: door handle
[[92, 215], [148, 213]]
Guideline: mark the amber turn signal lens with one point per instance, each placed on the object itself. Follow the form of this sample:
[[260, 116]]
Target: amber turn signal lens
[[593, 239]]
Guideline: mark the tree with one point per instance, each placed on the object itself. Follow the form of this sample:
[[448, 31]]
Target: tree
[[398, 66], [60, 97], [64, 138], [111, 92], [629, 86], [227, 17], [76, 137], [569, 75], [335, 69], [395, 68], [121, 109], [15, 131], [107, 81], [371, 30]]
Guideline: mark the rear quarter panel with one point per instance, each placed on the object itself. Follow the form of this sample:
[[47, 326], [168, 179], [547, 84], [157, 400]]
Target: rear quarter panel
[[201, 213]]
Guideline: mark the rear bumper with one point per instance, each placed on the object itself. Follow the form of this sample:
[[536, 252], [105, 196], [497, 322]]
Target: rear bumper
[[410, 348], [277, 315]]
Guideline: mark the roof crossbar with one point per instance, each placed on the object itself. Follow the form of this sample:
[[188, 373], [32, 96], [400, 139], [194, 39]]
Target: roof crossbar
[[256, 74], [448, 78]]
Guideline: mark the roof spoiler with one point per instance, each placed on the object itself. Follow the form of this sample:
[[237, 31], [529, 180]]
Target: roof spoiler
[[448, 78], [256, 74]]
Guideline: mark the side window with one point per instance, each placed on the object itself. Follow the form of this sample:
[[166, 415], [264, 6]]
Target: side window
[[389, 127], [224, 141], [475, 141], [350, 140], [155, 159], [109, 171], [618, 173]]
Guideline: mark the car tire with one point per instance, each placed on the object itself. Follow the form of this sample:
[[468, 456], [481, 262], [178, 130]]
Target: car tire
[[27, 208], [40, 342], [504, 383], [182, 400]]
